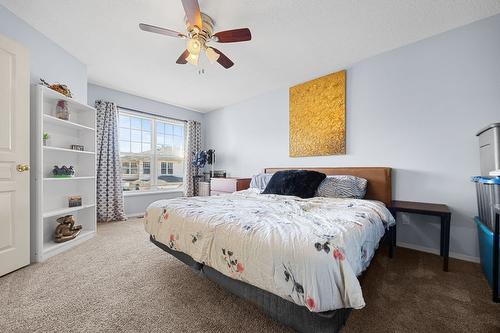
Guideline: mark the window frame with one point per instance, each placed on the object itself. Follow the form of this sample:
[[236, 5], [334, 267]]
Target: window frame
[[163, 166], [155, 156], [144, 168]]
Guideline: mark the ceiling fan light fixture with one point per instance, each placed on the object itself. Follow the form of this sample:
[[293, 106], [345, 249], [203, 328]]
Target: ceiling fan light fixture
[[212, 55], [192, 59], [199, 32], [194, 46]]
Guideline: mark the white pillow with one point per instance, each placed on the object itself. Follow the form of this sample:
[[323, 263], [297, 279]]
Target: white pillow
[[342, 187], [260, 181]]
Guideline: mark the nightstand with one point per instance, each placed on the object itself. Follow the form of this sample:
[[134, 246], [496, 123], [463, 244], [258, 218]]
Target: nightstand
[[439, 210], [228, 185]]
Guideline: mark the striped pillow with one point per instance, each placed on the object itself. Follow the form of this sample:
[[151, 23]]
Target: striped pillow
[[342, 187], [260, 181]]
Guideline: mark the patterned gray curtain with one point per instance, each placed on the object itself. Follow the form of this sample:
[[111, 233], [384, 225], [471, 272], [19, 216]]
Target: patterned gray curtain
[[193, 144], [109, 182]]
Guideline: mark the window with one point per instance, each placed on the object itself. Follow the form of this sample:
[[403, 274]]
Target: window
[[133, 168], [145, 167], [167, 168], [129, 168]]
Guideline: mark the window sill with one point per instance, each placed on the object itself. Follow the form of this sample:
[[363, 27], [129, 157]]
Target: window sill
[[139, 193]]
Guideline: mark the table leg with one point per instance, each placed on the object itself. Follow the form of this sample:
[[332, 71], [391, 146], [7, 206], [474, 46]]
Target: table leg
[[392, 242], [441, 242], [446, 240], [392, 235]]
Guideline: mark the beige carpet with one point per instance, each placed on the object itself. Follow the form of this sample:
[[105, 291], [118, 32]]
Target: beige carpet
[[119, 281]]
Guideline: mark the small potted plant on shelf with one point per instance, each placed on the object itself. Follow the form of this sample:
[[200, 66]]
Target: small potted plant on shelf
[[63, 172], [45, 137]]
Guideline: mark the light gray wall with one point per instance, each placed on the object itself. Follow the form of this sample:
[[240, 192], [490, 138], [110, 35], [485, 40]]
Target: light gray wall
[[96, 92], [137, 204], [415, 109], [48, 60]]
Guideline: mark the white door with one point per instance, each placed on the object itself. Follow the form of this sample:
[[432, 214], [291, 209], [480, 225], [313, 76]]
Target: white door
[[14, 156]]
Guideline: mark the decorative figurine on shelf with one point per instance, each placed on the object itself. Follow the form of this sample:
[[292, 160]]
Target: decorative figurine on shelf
[[78, 147], [60, 88], [63, 172], [66, 230], [62, 111], [45, 137], [74, 201]]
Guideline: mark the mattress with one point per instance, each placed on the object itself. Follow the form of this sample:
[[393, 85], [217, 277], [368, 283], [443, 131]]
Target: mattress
[[297, 317], [305, 251]]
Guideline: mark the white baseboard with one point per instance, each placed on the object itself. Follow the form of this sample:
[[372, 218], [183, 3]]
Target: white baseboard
[[135, 215], [435, 251]]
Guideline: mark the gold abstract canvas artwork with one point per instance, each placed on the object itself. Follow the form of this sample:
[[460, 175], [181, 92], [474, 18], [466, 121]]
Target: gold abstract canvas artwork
[[317, 116]]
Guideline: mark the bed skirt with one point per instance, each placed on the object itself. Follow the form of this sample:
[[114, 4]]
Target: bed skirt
[[279, 309]]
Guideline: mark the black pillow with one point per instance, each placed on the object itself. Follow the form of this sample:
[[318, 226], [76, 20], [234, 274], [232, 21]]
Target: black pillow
[[300, 183]]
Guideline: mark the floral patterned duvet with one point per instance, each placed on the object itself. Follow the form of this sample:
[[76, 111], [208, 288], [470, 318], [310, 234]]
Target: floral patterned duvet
[[307, 251]]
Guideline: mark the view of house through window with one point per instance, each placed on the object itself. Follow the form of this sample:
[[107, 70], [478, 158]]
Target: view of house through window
[[151, 152]]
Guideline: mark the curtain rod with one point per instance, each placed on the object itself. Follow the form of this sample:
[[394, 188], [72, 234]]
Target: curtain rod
[[151, 114]]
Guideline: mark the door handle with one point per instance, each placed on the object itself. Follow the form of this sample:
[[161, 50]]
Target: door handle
[[22, 167]]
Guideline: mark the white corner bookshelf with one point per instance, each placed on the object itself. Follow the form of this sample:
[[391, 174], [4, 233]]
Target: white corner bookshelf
[[49, 195]]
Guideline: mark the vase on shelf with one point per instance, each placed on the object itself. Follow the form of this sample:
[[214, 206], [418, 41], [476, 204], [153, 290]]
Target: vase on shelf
[[62, 110]]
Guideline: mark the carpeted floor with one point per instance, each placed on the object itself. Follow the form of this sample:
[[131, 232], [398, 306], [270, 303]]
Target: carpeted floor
[[119, 281]]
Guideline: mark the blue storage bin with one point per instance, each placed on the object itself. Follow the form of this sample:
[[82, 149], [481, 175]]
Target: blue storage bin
[[486, 250]]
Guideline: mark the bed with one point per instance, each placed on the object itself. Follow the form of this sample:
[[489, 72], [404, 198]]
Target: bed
[[297, 259]]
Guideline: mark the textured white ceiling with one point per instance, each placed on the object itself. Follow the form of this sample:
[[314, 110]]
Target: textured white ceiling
[[293, 40]]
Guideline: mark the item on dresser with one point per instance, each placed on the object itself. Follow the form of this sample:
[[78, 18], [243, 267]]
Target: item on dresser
[[211, 159], [63, 172], [228, 185], [66, 230], [74, 201], [78, 147], [62, 110], [342, 186], [218, 174], [206, 177], [300, 183]]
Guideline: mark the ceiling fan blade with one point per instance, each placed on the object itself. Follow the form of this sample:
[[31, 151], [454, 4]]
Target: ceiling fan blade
[[161, 31], [192, 9], [223, 60], [233, 36], [182, 60]]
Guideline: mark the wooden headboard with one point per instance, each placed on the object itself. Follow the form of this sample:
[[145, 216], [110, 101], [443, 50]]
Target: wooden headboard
[[379, 179]]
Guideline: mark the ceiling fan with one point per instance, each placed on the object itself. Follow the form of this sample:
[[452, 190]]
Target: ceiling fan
[[199, 32]]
